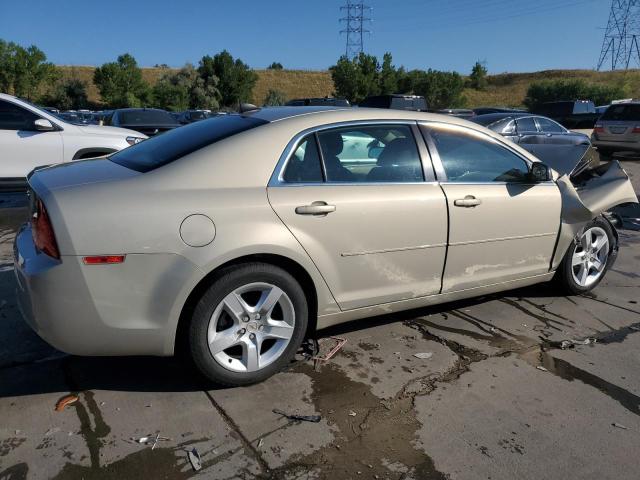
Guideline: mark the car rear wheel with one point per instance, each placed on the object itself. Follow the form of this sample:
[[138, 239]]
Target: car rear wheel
[[248, 324], [588, 258]]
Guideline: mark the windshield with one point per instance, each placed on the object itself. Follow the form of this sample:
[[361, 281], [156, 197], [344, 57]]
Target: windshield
[[168, 147], [146, 117]]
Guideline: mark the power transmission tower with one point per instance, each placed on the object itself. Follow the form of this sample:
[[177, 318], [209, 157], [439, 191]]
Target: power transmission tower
[[620, 44], [355, 20]]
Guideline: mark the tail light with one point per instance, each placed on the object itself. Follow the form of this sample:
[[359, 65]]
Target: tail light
[[636, 129], [42, 231], [598, 129], [103, 259]]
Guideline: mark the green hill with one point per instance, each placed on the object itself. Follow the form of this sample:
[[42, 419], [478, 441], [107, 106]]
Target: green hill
[[507, 89]]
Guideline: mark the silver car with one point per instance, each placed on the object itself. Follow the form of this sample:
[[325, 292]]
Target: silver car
[[241, 235], [618, 129]]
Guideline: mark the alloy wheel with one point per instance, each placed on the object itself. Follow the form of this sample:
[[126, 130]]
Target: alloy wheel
[[251, 327], [590, 256]]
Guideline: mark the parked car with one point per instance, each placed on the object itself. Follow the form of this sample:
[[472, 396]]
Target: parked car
[[148, 121], [397, 102], [190, 116], [543, 137], [486, 110], [570, 114], [318, 102], [618, 129], [240, 235], [31, 137], [457, 112]]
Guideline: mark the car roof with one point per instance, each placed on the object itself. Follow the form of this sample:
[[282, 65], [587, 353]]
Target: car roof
[[489, 118]]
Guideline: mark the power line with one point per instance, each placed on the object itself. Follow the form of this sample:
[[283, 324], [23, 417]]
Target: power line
[[620, 43], [355, 20]]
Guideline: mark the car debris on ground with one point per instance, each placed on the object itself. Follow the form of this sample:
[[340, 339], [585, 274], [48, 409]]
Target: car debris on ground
[[66, 400], [194, 459], [423, 355], [302, 418]]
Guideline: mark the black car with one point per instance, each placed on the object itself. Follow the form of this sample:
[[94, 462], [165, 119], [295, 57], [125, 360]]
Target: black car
[[318, 102], [150, 121], [486, 110], [457, 112], [545, 138], [414, 103], [190, 116]]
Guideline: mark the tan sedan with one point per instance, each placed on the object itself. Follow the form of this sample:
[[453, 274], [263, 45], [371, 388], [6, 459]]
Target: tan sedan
[[240, 235]]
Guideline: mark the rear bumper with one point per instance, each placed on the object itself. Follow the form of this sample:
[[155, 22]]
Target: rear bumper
[[619, 146], [126, 309]]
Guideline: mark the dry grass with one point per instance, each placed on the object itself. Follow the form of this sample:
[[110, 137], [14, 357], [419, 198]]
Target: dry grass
[[508, 89]]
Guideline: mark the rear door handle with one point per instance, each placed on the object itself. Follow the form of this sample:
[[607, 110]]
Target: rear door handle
[[467, 202], [316, 208]]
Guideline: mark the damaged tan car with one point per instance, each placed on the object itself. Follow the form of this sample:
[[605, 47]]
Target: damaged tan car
[[240, 235]]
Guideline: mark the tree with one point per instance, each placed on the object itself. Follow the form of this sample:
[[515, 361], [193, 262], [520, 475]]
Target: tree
[[274, 98], [557, 90], [68, 94], [121, 83], [478, 76], [358, 78], [185, 89], [440, 89], [235, 78], [275, 66], [389, 76], [23, 71]]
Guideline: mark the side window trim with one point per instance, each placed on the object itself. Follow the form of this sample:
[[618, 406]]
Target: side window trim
[[426, 127], [323, 168], [424, 152]]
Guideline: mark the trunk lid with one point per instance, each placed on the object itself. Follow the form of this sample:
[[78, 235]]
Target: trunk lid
[[81, 172]]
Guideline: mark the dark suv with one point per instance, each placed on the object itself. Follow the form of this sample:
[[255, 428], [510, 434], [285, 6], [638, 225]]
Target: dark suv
[[397, 102], [571, 114]]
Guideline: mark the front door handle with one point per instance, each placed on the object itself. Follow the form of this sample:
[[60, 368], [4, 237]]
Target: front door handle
[[316, 208], [467, 202]]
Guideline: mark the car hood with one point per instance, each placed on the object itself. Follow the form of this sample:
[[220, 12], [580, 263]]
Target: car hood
[[107, 131]]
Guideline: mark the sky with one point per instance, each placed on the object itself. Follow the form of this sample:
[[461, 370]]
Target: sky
[[509, 35]]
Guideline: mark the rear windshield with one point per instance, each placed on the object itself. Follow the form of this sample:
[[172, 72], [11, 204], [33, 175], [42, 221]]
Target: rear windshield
[[629, 112], [174, 144], [146, 117]]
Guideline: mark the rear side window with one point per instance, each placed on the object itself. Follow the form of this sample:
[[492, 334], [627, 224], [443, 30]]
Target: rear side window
[[469, 157], [304, 165], [628, 112], [13, 117], [367, 153], [170, 146]]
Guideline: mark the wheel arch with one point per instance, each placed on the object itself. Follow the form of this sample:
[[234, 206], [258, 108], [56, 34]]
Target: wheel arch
[[287, 264], [92, 152]]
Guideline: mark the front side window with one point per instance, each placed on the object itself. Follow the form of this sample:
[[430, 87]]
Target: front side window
[[549, 126], [371, 153], [526, 125], [468, 156], [13, 117]]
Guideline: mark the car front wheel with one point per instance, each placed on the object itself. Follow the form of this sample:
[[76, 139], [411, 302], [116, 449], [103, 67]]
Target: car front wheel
[[248, 324], [588, 258]]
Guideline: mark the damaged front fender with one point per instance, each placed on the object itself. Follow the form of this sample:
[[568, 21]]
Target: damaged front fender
[[587, 196]]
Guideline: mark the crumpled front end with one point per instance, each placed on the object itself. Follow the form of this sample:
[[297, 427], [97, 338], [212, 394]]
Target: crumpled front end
[[587, 195]]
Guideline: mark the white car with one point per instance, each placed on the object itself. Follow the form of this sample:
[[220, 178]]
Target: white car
[[31, 137]]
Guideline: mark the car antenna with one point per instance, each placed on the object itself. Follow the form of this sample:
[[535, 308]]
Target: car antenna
[[247, 107]]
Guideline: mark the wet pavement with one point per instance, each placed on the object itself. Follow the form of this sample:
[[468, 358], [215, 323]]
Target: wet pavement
[[497, 398]]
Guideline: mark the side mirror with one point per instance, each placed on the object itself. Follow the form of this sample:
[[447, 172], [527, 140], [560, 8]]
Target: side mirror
[[539, 172], [43, 125]]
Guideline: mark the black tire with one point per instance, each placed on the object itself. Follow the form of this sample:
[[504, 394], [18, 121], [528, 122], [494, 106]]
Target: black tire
[[229, 280], [564, 275], [606, 154]]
